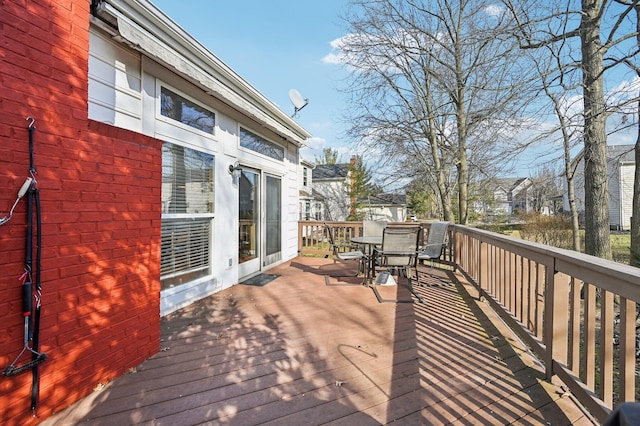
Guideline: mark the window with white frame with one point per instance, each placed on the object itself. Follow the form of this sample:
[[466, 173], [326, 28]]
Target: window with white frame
[[186, 111], [187, 214], [259, 144]]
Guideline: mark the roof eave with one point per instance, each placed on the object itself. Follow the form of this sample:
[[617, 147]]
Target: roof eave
[[171, 45]]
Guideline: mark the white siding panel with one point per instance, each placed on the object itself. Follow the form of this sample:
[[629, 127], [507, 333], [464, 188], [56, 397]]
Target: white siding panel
[[614, 195], [114, 84], [627, 172]]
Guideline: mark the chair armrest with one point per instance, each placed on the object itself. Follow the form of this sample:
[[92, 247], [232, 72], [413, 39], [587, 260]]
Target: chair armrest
[[432, 250]]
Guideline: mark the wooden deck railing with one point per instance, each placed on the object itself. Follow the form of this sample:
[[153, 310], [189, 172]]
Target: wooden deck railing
[[576, 312], [313, 239]]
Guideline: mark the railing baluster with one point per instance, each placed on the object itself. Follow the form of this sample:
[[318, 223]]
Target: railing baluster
[[627, 336], [588, 368], [606, 347], [574, 323]]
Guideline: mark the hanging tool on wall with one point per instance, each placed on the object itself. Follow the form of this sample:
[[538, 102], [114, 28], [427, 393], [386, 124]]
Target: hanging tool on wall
[[23, 190], [31, 284]]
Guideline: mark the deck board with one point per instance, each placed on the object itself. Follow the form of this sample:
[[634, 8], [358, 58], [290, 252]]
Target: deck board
[[299, 352]]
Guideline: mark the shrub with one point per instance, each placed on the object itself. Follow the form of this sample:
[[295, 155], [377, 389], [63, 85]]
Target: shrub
[[551, 230]]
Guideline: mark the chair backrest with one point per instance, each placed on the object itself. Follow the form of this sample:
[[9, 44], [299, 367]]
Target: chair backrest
[[436, 239], [329, 232], [400, 239], [373, 228], [335, 248]]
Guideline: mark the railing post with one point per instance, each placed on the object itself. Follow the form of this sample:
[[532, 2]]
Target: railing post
[[556, 318]]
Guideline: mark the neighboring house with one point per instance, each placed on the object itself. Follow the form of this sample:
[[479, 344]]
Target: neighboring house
[[311, 203], [331, 182], [331, 188], [620, 171], [387, 207], [505, 196], [163, 176]]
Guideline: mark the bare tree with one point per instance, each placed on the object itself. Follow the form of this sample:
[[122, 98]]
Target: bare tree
[[435, 85], [544, 188], [635, 217], [544, 23], [558, 86]]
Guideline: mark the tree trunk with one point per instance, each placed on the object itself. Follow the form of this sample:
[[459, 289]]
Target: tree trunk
[[597, 235], [575, 224]]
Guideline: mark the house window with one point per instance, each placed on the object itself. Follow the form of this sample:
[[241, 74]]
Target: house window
[[185, 111], [305, 178], [258, 144], [187, 214], [307, 210]]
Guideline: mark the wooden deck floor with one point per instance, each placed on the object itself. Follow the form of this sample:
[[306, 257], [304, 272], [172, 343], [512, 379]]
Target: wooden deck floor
[[297, 352]]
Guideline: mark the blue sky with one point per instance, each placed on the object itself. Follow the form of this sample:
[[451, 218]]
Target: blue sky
[[277, 45]]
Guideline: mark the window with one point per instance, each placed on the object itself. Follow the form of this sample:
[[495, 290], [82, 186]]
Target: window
[[258, 144], [305, 177], [187, 214], [185, 111]]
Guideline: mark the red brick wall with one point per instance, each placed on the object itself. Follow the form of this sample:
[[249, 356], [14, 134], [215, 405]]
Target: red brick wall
[[100, 195]]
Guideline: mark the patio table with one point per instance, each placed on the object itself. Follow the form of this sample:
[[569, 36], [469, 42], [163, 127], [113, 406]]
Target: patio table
[[370, 242]]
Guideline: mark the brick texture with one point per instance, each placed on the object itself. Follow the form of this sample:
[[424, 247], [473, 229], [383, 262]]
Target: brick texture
[[100, 197]]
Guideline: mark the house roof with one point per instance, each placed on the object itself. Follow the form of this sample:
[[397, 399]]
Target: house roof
[[385, 200], [621, 153], [330, 171], [508, 184]]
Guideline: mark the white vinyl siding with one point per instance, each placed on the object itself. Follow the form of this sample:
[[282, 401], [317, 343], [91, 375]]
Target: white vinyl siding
[[114, 84]]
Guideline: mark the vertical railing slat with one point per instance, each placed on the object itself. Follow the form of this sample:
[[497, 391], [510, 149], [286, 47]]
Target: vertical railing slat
[[606, 347], [627, 336], [588, 367]]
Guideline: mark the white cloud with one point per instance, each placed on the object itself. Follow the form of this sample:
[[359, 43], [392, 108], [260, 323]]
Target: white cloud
[[336, 57], [494, 10], [332, 58]]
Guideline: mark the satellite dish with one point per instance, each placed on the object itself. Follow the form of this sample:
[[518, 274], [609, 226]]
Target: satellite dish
[[297, 101]]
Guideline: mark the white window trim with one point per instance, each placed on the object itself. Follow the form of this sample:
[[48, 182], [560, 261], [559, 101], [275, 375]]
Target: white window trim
[[179, 124], [261, 155]]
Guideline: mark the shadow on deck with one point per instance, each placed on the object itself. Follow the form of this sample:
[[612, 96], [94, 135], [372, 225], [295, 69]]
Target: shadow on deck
[[295, 351]]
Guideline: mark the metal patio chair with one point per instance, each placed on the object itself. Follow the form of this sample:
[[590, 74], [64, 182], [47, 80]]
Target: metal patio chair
[[398, 253], [434, 247], [373, 228], [344, 252]]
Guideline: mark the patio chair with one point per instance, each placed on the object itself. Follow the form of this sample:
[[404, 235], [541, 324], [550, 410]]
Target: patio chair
[[373, 228], [345, 252], [398, 252], [434, 247]]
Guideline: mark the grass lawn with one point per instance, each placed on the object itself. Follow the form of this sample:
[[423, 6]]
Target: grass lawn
[[620, 244]]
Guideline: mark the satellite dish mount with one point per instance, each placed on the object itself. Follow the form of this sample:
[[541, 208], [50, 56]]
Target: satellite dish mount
[[298, 101]]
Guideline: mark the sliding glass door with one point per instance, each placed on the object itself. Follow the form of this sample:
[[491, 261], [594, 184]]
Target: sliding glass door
[[273, 220], [260, 235], [249, 223]]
